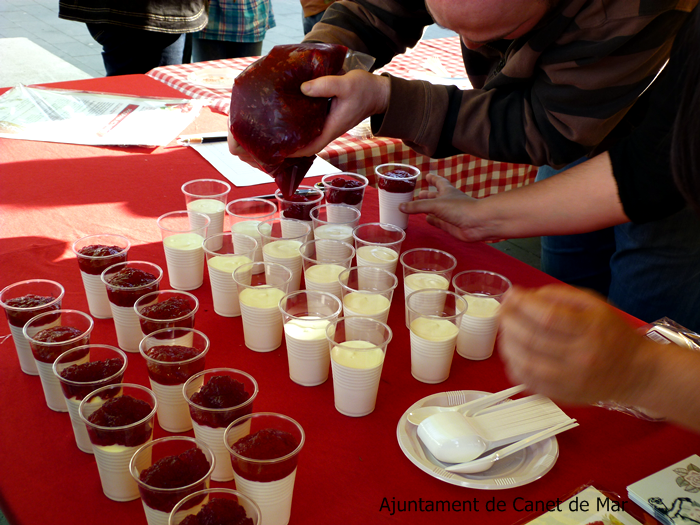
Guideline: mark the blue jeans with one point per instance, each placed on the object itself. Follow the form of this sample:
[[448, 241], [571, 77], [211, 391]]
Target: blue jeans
[[205, 49], [649, 270], [127, 51], [310, 21]]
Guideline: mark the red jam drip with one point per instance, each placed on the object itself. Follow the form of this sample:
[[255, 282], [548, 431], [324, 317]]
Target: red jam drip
[[90, 373], [298, 210], [394, 184], [267, 443], [220, 392], [345, 196], [219, 511], [57, 334], [173, 374], [118, 412], [97, 266], [271, 118], [173, 472], [130, 278], [19, 318], [172, 308]]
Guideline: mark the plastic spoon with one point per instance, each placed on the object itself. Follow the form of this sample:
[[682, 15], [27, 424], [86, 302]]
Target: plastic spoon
[[468, 409], [485, 463]]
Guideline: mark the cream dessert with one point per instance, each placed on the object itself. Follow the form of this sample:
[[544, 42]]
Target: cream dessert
[[212, 208], [357, 354], [262, 319], [185, 258], [477, 334], [252, 229], [432, 347], [286, 252], [357, 368], [307, 350], [363, 304], [380, 256], [324, 278], [223, 288]]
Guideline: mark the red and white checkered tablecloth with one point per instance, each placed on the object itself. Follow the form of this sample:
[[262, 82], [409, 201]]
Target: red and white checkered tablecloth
[[474, 176]]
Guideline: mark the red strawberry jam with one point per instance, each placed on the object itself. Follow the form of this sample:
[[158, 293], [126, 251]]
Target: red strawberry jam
[[352, 198], [392, 182], [90, 373], [299, 210], [172, 308], [267, 443], [118, 412], [57, 334], [130, 278], [173, 374], [219, 511], [108, 255], [220, 392], [19, 319], [173, 472]]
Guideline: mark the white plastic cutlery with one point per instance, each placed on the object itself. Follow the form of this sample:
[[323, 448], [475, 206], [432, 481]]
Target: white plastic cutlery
[[485, 463], [468, 409]]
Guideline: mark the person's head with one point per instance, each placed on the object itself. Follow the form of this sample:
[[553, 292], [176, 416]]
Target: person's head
[[478, 22]]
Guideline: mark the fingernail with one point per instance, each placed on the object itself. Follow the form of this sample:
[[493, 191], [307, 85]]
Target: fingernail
[[402, 207], [305, 89]]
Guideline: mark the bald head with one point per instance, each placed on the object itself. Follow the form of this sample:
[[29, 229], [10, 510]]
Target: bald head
[[482, 21]]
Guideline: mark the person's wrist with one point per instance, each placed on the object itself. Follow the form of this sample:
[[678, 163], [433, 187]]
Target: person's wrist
[[641, 375], [486, 225]]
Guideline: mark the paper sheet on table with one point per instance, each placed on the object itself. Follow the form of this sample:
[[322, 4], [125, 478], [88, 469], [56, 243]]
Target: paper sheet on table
[[243, 174]]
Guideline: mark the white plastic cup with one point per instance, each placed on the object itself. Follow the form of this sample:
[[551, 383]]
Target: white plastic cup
[[210, 422], [335, 221], [434, 318], [394, 190], [194, 503], [324, 260], [378, 245], [268, 482], [426, 268], [358, 348], [166, 309], [207, 196], [46, 348], [297, 209], [367, 291], [123, 296], [245, 216], [74, 390], [483, 291], [344, 195], [11, 299], [114, 446], [306, 315], [167, 374], [183, 233], [281, 239], [158, 502], [87, 251], [261, 286]]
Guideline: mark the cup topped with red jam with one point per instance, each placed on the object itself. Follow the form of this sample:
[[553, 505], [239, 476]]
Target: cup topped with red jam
[[223, 506], [396, 184], [345, 188], [299, 205], [166, 309], [24, 300]]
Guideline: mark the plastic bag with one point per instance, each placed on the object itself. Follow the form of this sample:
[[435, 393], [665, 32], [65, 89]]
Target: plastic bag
[[271, 119]]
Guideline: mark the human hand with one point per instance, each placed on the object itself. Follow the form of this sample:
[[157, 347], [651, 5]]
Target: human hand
[[570, 345], [236, 149], [449, 209], [355, 96]]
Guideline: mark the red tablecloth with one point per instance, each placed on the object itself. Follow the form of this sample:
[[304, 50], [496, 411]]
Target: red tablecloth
[[52, 194], [474, 176]]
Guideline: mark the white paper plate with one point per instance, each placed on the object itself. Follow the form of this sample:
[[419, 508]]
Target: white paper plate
[[516, 470], [214, 77]]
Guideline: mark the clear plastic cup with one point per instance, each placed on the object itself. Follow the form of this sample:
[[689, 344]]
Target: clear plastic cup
[[168, 371], [261, 286], [166, 309], [483, 291], [299, 205], [194, 503], [335, 221], [245, 216], [123, 294], [426, 268], [73, 329], [379, 245], [324, 260], [367, 292], [209, 421], [183, 234], [19, 308], [358, 347], [434, 319], [268, 482], [234, 250], [207, 196], [80, 371], [306, 315], [351, 194], [88, 250], [114, 446], [281, 239], [393, 190], [158, 502]]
